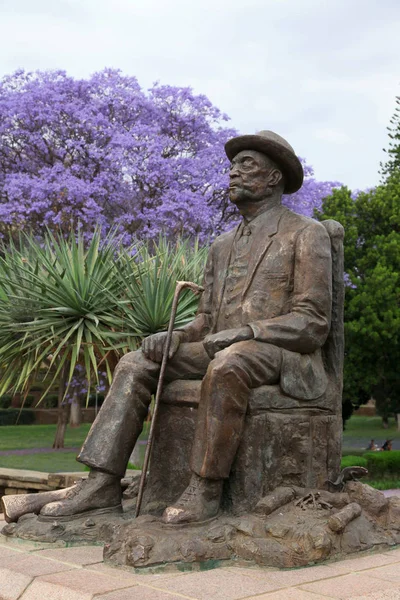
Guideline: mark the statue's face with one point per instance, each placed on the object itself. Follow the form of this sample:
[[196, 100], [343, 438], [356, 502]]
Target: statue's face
[[250, 177]]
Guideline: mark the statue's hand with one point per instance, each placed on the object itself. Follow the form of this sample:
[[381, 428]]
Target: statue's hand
[[215, 342], [153, 346]]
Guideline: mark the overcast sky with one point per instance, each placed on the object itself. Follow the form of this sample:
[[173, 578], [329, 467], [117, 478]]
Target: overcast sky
[[322, 73]]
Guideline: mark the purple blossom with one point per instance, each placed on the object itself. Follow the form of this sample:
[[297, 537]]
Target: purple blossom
[[102, 151]]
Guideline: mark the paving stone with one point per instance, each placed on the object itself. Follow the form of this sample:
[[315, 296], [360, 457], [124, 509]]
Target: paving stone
[[289, 594], [219, 584], [8, 552], [79, 555], [390, 595], [12, 584], [389, 572], [142, 593], [394, 552], [134, 578], [33, 565], [85, 581], [29, 546], [360, 563], [41, 590], [350, 586], [291, 577]]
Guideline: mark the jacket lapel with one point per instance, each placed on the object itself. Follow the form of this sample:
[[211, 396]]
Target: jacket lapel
[[266, 228]]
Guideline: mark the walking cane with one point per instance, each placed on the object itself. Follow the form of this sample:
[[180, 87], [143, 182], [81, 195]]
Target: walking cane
[[180, 285]]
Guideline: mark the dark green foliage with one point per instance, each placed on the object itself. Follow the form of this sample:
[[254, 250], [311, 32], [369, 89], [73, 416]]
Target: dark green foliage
[[28, 401], [385, 484], [393, 162], [372, 308], [347, 410], [5, 401], [92, 400], [14, 416], [50, 401]]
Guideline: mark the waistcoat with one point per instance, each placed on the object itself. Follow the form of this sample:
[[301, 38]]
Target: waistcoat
[[230, 314]]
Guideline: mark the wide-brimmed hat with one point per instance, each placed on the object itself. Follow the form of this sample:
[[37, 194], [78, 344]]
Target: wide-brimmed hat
[[276, 148]]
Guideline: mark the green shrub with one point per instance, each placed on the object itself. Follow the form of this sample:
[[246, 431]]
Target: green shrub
[[28, 401], [384, 484], [15, 416], [353, 461], [50, 401], [5, 401], [133, 467], [383, 464]]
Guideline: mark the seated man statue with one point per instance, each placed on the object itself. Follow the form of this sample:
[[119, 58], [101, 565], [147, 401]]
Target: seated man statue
[[263, 319]]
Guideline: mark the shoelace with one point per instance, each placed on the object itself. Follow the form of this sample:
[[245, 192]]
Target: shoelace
[[77, 488], [189, 493]]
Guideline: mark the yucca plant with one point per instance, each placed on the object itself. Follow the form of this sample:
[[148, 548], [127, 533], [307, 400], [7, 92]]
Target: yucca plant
[[150, 281], [69, 302], [55, 308]]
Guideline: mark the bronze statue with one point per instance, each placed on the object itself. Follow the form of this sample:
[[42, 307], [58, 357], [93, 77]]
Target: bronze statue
[[263, 319]]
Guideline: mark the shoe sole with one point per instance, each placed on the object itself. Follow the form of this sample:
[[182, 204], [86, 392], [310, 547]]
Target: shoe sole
[[89, 513]]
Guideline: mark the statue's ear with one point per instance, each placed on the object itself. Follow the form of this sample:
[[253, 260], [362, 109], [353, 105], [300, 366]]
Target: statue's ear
[[274, 177]]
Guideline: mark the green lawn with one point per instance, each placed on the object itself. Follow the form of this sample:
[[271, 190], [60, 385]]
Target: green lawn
[[369, 428], [18, 437], [50, 462], [15, 437]]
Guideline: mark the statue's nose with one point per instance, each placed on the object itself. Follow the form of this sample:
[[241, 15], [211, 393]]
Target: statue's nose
[[233, 172]]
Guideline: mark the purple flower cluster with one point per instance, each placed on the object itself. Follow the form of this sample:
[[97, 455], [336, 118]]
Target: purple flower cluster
[[79, 384], [103, 151]]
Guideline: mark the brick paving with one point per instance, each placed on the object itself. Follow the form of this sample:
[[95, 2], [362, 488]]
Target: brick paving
[[31, 571]]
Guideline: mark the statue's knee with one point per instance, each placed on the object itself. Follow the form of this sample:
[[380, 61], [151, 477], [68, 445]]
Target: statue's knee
[[224, 363], [129, 361]]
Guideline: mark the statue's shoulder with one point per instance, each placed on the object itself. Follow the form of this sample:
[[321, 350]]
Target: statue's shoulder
[[292, 220], [224, 238]]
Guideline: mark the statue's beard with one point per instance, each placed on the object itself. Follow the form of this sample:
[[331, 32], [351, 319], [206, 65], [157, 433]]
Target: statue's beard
[[238, 194]]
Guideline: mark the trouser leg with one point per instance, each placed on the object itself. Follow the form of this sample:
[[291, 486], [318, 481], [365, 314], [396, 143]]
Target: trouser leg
[[223, 404], [113, 435]]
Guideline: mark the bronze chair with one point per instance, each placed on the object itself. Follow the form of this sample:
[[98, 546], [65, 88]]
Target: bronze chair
[[285, 442]]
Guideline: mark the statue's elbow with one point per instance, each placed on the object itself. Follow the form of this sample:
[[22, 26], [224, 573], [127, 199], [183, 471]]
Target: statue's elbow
[[317, 335]]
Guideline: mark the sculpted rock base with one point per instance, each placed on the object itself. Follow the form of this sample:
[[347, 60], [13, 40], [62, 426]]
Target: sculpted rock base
[[290, 527]]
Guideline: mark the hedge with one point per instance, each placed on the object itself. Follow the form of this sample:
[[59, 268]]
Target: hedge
[[5, 401], [380, 465], [383, 464], [15, 416]]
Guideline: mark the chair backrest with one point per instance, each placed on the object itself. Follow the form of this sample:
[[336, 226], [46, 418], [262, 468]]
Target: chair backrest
[[333, 350]]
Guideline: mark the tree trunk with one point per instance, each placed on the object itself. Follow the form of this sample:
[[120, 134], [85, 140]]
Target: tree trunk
[[75, 419], [63, 410], [398, 421], [385, 422]]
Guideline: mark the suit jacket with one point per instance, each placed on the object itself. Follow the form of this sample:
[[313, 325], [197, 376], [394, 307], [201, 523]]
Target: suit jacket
[[286, 298]]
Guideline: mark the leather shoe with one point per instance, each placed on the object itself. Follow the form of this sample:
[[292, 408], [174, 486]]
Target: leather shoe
[[199, 502], [99, 491]]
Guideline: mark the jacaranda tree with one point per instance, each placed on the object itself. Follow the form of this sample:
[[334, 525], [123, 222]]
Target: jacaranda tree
[[103, 151]]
